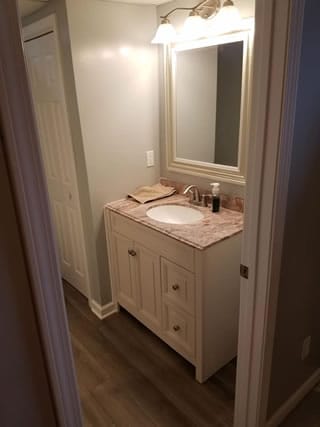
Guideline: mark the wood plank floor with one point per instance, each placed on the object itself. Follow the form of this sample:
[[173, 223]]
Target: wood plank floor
[[128, 377], [307, 413]]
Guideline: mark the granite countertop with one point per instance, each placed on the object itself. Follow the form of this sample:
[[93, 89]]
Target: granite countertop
[[213, 228]]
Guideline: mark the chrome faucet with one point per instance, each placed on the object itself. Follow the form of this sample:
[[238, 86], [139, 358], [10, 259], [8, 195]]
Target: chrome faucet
[[194, 195]]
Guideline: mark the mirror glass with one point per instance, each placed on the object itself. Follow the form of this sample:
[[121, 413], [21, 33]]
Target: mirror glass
[[208, 102], [207, 97]]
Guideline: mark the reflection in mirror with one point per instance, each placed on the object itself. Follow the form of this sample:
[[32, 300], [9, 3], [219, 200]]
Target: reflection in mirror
[[208, 103], [207, 88]]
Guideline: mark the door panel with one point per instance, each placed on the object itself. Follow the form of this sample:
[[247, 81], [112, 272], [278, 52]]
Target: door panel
[[78, 254], [63, 241], [58, 156], [149, 289], [125, 272]]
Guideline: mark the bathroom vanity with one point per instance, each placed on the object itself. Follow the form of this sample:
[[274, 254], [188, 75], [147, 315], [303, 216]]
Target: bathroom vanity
[[181, 281]]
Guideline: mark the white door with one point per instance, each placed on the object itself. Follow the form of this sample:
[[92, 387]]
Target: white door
[[57, 151]]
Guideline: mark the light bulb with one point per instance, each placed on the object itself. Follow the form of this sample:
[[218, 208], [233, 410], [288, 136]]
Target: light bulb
[[194, 27], [228, 19], [165, 33]]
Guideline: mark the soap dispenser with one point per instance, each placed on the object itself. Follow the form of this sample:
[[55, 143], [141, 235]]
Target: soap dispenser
[[215, 196]]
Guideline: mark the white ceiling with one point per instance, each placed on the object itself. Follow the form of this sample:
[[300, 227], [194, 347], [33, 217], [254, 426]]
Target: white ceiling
[[29, 6], [26, 7], [154, 2]]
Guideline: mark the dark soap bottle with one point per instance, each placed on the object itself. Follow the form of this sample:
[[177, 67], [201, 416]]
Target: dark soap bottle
[[215, 196]]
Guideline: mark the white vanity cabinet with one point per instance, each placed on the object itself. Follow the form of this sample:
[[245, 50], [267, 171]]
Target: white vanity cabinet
[[188, 297]]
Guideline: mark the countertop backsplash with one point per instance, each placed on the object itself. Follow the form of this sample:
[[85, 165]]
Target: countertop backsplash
[[234, 203]]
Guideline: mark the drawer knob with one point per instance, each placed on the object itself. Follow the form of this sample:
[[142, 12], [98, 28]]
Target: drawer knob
[[176, 328], [132, 252], [175, 287]]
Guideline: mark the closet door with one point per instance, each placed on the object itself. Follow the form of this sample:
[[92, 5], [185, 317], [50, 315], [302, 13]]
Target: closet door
[[57, 152]]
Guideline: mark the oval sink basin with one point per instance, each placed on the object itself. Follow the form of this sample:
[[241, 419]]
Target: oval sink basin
[[175, 214]]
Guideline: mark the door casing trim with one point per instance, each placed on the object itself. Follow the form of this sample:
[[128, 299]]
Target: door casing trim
[[22, 151]]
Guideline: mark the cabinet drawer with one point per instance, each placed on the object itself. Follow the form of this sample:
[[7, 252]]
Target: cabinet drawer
[[179, 330], [177, 285], [176, 251]]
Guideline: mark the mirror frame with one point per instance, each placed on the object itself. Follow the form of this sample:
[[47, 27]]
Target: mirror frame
[[224, 173]]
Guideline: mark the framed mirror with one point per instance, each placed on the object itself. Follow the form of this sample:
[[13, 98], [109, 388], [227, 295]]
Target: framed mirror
[[207, 104]]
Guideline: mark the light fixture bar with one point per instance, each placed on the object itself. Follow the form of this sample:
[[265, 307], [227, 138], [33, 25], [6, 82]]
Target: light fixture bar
[[198, 6]]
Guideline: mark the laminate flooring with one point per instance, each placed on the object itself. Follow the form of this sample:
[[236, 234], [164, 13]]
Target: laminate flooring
[[307, 413], [128, 377]]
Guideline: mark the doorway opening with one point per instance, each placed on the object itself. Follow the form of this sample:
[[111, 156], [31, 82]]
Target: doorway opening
[[119, 381], [249, 301]]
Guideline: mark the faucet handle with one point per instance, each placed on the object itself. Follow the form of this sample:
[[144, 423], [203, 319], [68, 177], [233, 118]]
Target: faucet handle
[[190, 196]]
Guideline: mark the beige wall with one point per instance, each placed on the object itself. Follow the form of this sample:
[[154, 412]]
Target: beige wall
[[24, 387], [246, 8], [116, 74], [299, 295]]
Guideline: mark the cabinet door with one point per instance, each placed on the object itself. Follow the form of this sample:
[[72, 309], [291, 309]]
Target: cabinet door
[[148, 287], [125, 271]]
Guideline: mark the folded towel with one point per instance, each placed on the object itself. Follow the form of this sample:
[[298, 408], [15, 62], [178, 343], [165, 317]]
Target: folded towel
[[148, 193]]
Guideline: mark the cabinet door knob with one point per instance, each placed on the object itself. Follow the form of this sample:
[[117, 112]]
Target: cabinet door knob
[[175, 287], [132, 252], [176, 328]]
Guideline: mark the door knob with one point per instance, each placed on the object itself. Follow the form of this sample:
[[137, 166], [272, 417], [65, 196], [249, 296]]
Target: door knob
[[176, 328], [131, 252], [175, 287]]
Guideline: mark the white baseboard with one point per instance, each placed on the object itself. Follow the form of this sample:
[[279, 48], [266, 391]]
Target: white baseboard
[[103, 311], [293, 401]]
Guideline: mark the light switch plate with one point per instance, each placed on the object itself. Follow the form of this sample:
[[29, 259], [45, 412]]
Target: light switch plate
[[150, 158]]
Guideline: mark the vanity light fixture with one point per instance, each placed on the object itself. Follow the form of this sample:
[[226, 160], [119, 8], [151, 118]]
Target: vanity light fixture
[[223, 18]]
